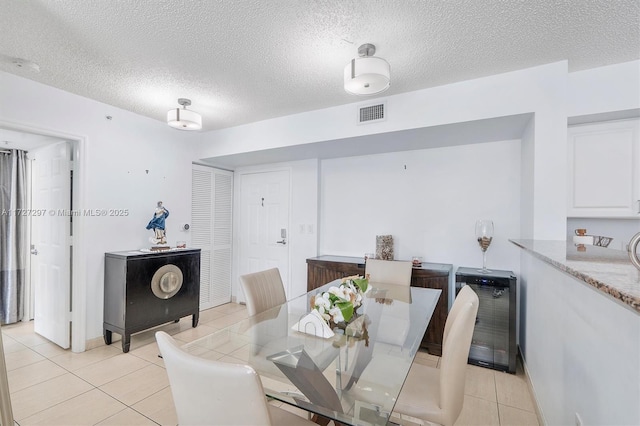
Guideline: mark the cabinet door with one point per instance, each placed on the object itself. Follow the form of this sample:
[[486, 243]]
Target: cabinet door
[[432, 339], [319, 273], [604, 170]]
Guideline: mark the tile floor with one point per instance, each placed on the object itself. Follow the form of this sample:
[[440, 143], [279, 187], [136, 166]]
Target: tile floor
[[103, 386]]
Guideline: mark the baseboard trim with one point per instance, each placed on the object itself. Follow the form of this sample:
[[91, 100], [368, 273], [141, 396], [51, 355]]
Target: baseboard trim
[[532, 390]]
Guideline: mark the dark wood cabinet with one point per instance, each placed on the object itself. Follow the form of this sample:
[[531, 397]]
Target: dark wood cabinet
[[322, 269], [143, 290]]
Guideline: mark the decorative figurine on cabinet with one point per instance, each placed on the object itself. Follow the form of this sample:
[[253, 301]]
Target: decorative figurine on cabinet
[[157, 223]]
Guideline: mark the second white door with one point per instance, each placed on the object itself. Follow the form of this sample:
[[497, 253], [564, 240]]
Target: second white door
[[51, 249], [264, 224]]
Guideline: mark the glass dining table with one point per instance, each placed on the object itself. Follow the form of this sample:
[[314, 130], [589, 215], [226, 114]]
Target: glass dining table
[[353, 377]]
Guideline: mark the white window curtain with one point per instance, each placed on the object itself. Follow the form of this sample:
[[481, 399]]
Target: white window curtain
[[13, 234]]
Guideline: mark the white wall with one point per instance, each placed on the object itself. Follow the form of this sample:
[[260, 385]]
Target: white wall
[[582, 349], [303, 234], [539, 90], [115, 155], [604, 89], [429, 200]]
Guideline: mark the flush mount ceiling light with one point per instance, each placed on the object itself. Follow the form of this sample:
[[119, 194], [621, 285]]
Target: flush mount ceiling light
[[184, 119], [366, 75]]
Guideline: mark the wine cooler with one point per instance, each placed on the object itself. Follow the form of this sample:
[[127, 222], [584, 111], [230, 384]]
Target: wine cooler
[[494, 336]]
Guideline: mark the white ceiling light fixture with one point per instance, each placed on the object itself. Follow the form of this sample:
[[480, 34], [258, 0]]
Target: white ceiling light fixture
[[184, 119], [367, 75]]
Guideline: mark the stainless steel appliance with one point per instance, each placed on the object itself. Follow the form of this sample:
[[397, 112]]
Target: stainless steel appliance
[[633, 255], [494, 337]]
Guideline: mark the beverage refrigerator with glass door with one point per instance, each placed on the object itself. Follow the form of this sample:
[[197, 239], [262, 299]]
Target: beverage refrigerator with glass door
[[494, 337]]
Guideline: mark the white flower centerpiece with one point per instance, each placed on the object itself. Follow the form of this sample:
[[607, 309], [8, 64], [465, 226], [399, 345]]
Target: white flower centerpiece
[[337, 306]]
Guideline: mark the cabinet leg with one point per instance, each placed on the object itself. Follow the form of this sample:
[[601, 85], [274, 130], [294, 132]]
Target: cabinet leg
[[126, 342], [107, 337], [194, 320]]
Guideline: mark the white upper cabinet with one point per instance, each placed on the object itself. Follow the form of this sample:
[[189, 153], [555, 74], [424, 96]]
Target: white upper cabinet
[[604, 170]]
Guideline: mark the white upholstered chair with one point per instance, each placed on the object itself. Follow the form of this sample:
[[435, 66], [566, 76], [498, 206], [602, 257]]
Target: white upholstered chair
[[389, 271], [436, 395], [208, 392], [395, 273], [263, 290]]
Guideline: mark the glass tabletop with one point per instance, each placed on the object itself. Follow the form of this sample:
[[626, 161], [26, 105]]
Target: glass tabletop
[[353, 377]]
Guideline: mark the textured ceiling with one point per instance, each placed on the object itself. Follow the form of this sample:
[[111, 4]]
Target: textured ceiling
[[249, 60]]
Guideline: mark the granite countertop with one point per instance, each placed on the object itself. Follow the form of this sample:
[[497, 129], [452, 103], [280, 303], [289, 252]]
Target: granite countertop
[[608, 270]]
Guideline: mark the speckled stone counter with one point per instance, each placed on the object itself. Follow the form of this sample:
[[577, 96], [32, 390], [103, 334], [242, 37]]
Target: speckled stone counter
[[608, 270]]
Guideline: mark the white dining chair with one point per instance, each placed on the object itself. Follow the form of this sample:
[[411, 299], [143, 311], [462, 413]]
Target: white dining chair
[[436, 395], [263, 290], [389, 271], [395, 273], [208, 392]]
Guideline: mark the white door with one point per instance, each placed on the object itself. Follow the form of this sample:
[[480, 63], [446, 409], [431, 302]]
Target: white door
[[211, 219], [264, 224], [50, 239]]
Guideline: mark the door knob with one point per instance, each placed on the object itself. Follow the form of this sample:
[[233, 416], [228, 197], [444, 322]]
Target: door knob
[[34, 252], [283, 242]]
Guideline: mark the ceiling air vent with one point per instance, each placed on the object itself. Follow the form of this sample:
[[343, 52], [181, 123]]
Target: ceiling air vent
[[371, 113]]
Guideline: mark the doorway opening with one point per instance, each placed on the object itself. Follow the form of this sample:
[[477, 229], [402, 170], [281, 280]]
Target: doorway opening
[[70, 314]]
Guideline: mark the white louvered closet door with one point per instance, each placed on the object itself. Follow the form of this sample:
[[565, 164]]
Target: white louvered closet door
[[211, 215]]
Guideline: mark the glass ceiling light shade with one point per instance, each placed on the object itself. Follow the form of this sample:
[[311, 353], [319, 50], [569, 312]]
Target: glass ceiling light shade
[[184, 119], [367, 75]]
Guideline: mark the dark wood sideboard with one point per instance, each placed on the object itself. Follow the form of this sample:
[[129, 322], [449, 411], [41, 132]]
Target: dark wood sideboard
[[146, 289], [322, 269]]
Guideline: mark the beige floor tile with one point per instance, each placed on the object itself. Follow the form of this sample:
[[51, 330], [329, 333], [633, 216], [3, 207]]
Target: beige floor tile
[[111, 369], [223, 322], [429, 362], [18, 329], [149, 353], [477, 411], [158, 407], [31, 340], [195, 333], [127, 417], [210, 315], [21, 358], [481, 383], [49, 349], [205, 353], [32, 374], [147, 337], [422, 353], [74, 361], [30, 401], [232, 346], [510, 416], [242, 354], [230, 308], [139, 385], [23, 333], [513, 391], [85, 409], [11, 345]]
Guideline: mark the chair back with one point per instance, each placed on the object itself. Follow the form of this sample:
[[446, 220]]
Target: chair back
[[208, 392], [455, 353], [389, 271], [263, 290]]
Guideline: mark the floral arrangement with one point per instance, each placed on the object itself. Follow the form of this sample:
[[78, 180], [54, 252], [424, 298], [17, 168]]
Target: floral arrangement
[[338, 304]]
